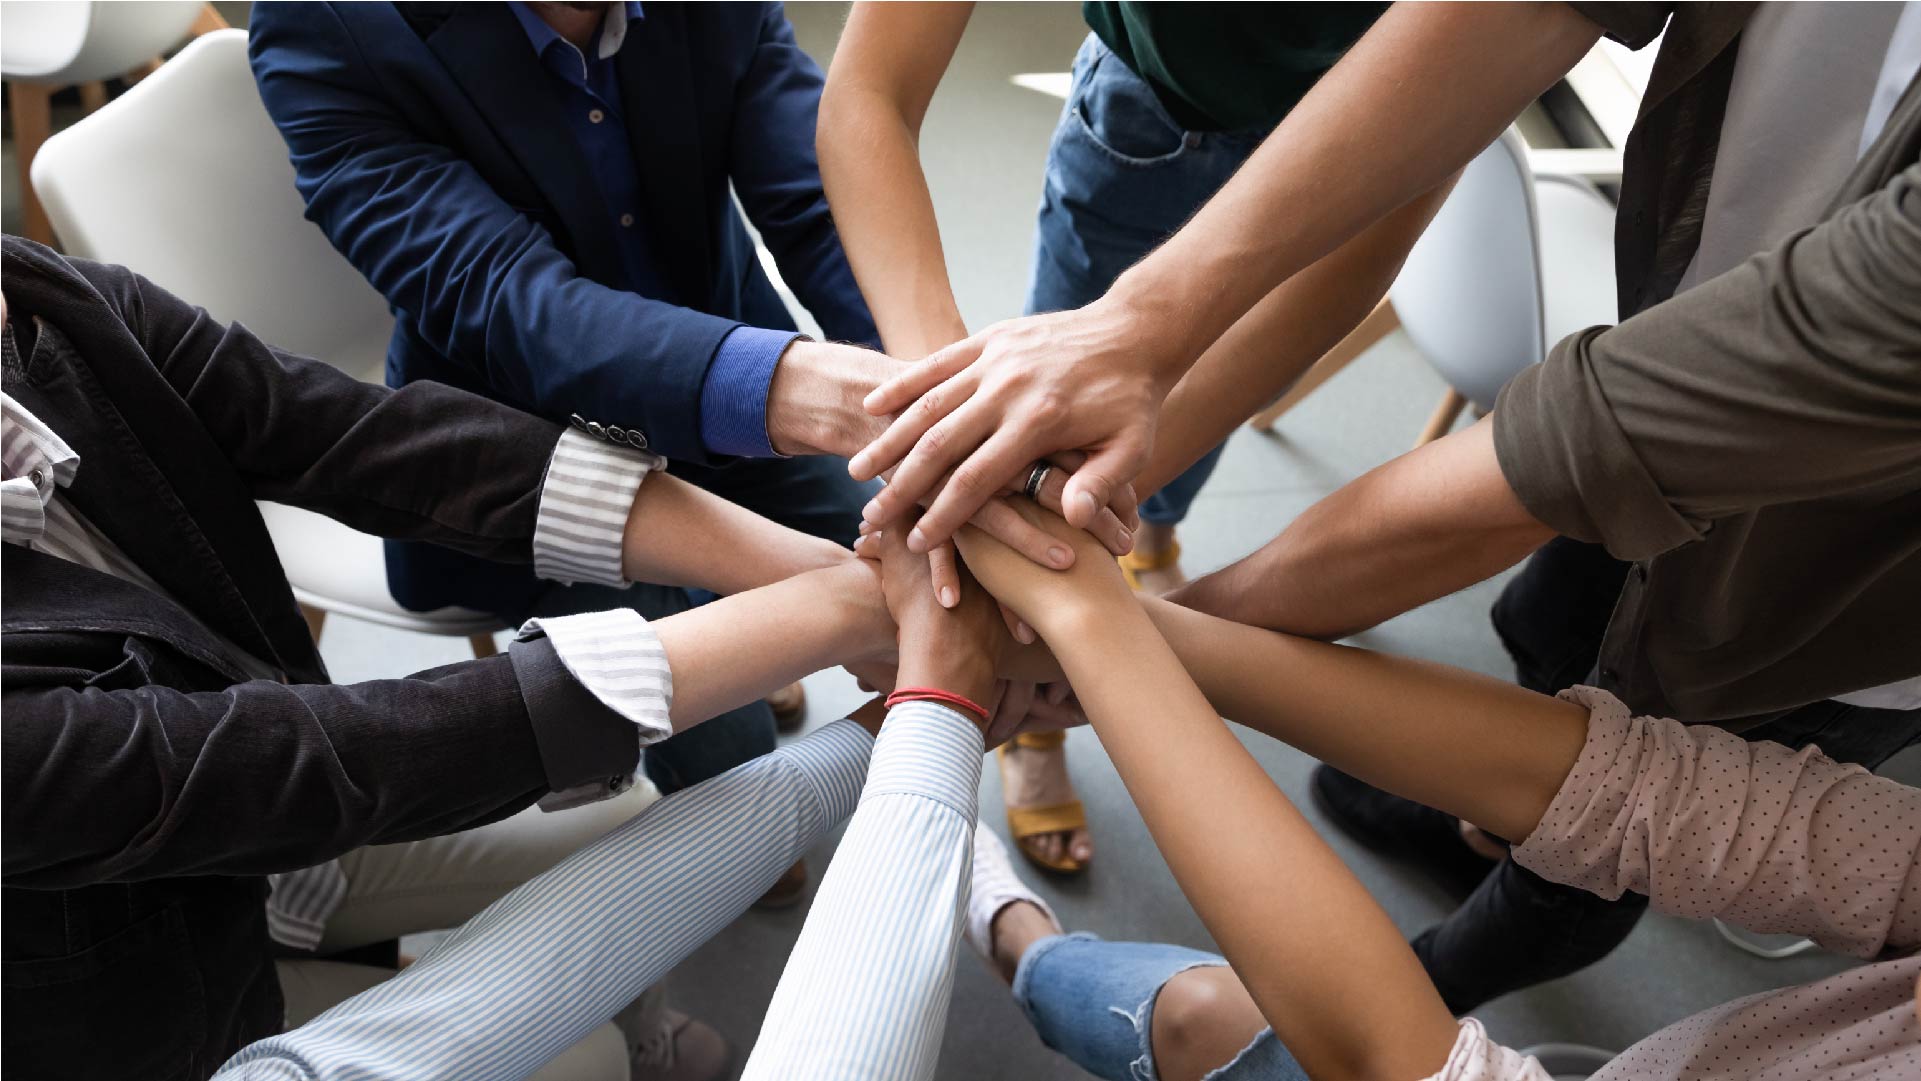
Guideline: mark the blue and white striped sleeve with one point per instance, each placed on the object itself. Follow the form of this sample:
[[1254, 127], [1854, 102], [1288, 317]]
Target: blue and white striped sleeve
[[865, 991], [584, 503], [525, 979]]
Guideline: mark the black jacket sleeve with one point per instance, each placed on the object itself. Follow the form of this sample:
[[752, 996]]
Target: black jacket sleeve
[[118, 785], [425, 462]]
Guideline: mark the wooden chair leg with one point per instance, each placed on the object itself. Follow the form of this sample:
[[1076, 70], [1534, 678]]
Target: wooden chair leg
[[483, 645], [316, 619], [1443, 417], [32, 110], [207, 22], [93, 95], [1379, 323], [141, 72]]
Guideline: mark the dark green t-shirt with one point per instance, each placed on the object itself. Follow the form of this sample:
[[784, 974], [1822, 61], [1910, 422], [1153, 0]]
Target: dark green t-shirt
[[1223, 66]]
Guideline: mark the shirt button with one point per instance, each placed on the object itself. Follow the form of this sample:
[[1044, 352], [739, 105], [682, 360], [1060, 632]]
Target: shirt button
[[38, 477], [595, 116], [626, 221]]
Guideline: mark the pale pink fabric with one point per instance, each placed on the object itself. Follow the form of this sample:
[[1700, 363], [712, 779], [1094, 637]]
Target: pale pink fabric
[[1708, 824]]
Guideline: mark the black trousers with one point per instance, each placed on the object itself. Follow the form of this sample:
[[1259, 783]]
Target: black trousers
[[1518, 929]]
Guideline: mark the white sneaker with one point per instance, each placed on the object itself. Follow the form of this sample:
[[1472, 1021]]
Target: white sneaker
[[995, 887]]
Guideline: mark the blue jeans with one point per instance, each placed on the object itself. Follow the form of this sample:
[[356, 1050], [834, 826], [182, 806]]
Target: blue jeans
[[1093, 1001], [813, 495], [1122, 176]]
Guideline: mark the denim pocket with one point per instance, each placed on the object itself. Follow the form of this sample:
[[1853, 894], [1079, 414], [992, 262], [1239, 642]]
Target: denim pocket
[[1119, 115]]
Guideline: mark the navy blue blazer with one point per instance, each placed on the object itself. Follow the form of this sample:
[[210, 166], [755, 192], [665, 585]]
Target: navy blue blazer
[[429, 145]]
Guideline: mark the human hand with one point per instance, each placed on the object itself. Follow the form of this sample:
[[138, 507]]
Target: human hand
[[986, 407], [815, 400], [1042, 597], [959, 650]]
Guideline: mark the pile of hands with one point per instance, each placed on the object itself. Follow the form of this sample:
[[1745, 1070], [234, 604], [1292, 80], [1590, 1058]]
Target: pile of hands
[[916, 638]]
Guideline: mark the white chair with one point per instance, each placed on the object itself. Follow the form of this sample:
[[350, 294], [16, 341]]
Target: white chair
[[49, 44], [1512, 262], [185, 179]]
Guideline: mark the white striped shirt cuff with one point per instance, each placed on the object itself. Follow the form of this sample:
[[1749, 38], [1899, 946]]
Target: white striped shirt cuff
[[584, 504], [619, 659]]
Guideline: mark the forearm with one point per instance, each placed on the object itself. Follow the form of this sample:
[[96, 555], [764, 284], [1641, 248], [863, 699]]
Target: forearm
[[1480, 748], [1335, 979], [1429, 523], [870, 166], [884, 74], [1413, 101], [527, 978], [1273, 345], [866, 988], [740, 648], [678, 534]]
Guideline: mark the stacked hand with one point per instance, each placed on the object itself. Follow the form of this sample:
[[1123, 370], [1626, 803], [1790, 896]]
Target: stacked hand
[[974, 417]]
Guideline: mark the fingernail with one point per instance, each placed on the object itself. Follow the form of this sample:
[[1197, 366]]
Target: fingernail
[[1023, 633], [917, 541], [947, 597], [871, 512], [1060, 557]]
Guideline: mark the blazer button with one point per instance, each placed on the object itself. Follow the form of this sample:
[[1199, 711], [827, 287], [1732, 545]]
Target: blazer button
[[575, 421], [594, 429], [616, 435], [637, 440]]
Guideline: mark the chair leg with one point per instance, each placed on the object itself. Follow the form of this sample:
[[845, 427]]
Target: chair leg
[[93, 96], [208, 21], [483, 645], [1443, 417], [1380, 322], [32, 109], [316, 619], [145, 69]]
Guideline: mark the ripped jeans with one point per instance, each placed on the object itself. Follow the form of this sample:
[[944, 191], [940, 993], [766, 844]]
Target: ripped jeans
[[1093, 1001]]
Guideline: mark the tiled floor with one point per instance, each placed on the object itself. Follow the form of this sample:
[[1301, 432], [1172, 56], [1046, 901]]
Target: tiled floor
[[984, 143]]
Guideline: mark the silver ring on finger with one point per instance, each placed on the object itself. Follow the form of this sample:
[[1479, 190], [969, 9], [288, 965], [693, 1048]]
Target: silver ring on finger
[[1035, 478]]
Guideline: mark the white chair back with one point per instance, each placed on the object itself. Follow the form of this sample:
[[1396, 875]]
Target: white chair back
[[66, 42], [1469, 295], [184, 179]]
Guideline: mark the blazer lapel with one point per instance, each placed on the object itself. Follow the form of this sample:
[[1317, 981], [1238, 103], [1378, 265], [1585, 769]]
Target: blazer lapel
[[657, 92], [487, 53]]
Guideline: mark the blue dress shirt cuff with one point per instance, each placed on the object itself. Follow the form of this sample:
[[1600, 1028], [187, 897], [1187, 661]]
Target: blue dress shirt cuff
[[733, 400]]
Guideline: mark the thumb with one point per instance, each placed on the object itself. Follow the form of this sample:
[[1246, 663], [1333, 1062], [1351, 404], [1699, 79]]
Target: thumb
[[1106, 471]]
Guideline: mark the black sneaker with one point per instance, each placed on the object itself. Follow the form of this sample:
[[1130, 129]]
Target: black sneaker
[[1415, 834]]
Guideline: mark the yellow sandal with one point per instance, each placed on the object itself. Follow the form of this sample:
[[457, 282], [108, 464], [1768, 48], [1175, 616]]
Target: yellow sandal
[[1026, 822], [1133, 564]]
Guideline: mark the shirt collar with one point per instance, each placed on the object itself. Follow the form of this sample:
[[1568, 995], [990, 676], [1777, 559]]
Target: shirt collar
[[613, 28], [33, 461]]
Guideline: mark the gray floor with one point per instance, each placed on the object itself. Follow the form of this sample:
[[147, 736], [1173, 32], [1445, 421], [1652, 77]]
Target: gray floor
[[984, 143]]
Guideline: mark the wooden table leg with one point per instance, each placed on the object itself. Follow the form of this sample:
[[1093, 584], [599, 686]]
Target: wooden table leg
[[1442, 421], [1380, 322], [483, 645], [32, 110], [316, 619]]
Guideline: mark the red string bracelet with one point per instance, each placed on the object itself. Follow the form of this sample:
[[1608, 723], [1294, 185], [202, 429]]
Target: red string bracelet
[[945, 698]]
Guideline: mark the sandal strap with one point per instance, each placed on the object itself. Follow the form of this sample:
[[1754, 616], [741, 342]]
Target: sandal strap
[[1040, 741], [1024, 822], [1159, 561]]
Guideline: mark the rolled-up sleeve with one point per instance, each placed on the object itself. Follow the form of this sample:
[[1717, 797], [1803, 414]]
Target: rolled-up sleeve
[[584, 502], [1705, 823], [1796, 376]]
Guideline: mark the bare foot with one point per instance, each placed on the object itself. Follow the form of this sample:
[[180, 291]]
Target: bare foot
[[1038, 778]]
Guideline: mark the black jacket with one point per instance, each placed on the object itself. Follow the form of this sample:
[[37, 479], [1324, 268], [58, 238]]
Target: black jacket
[[147, 784]]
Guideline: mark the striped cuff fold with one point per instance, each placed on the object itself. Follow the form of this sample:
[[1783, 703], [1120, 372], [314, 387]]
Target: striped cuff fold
[[931, 751], [619, 659], [584, 504], [832, 760]]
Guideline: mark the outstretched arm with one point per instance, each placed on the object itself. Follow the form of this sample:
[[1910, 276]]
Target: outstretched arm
[[888, 62]]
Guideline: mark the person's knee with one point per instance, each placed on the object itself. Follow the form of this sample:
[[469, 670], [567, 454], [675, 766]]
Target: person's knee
[[1203, 1017]]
